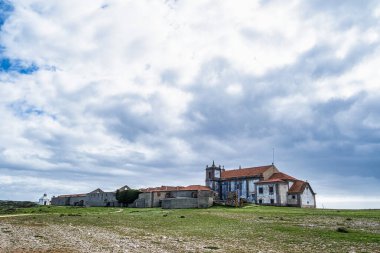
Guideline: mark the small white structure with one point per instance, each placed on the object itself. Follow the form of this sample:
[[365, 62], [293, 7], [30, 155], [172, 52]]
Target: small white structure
[[44, 200]]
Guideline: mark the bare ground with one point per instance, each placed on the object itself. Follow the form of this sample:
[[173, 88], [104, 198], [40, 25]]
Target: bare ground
[[35, 234]]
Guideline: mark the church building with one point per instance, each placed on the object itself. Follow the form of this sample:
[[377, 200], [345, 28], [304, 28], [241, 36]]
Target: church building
[[263, 185]]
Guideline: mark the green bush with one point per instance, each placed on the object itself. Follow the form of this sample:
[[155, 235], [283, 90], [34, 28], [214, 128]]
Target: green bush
[[128, 196], [342, 230], [7, 206]]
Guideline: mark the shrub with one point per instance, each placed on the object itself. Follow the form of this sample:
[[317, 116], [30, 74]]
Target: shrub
[[128, 196], [211, 247], [342, 230]]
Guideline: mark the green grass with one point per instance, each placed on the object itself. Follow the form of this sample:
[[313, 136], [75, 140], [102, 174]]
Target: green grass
[[7, 206], [281, 228]]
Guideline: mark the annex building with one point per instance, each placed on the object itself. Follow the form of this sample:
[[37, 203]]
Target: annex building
[[168, 197], [263, 185]]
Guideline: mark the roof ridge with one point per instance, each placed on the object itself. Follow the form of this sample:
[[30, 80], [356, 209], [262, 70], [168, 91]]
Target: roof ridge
[[251, 167], [245, 172]]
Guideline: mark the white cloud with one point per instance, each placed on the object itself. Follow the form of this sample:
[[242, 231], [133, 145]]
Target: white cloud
[[234, 89], [348, 202], [126, 87]]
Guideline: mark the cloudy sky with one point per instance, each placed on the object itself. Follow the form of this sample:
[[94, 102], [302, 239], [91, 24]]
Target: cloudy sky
[[106, 93]]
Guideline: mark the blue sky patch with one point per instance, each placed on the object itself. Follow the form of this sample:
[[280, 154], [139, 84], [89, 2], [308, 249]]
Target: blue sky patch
[[5, 9], [8, 65]]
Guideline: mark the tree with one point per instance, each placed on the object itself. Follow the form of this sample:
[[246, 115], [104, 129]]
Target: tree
[[128, 196]]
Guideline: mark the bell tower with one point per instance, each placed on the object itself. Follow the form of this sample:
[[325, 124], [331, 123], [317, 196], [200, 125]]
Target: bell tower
[[213, 174]]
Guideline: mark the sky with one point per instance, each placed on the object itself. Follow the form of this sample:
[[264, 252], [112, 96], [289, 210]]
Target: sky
[[107, 93]]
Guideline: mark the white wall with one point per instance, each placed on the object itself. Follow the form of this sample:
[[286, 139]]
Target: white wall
[[283, 194], [265, 196], [307, 198]]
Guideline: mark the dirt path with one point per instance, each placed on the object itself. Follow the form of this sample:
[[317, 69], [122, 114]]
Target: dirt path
[[30, 214], [17, 215]]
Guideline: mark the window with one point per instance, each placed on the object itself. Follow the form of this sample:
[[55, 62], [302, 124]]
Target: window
[[209, 174], [270, 189], [293, 196], [260, 201], [272, 201], [261, 191], [158, 194]]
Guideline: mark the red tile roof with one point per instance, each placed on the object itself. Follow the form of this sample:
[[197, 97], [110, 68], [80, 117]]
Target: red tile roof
[[72, 195], [278, 177], [196, 188], [275, 180], [297, 187], [282, 176], [245, 172], [177, 188]]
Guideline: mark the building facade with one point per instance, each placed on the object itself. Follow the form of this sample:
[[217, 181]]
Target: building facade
[[264, 185], [169, 197], [97, 197], [44, 200]]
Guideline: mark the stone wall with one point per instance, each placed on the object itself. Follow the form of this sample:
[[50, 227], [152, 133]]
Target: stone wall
[[175, 199], [293, 199], [102, 199], [60, 201], [177, 203], [78, 201]]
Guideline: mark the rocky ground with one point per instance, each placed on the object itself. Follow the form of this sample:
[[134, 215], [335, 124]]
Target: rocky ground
[[256, 229], [68, 238], [59, 238]]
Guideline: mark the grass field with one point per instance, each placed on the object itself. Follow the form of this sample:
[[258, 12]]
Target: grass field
[[218, 229]]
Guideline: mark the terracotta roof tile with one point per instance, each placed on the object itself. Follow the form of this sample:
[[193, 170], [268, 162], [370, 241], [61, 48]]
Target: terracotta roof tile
[[72, 195], [282, 176], [197, 188], [177, 188], [275, 180], [245, 172], [297, 187]]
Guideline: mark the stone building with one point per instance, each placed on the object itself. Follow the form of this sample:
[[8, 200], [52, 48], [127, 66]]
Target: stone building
[[97, 197], [264, 185], [69, 200], [168, 197]]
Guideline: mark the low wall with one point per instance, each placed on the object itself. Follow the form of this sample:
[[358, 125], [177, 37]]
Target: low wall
[[179, 203], [176, 203]]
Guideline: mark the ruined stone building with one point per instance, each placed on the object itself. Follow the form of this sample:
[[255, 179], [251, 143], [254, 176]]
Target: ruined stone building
[[264, 185], [97, 197], [193, 196]]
